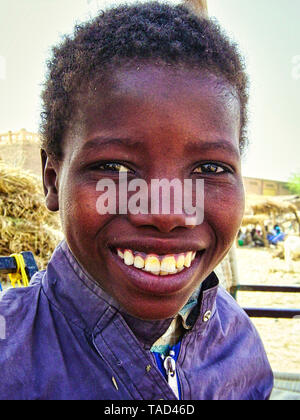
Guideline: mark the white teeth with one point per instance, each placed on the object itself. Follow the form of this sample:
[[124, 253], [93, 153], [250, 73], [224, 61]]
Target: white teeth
[[128, 257], [180, 261], [158, 265], [168, 265], [139, 262], [120, 253], [188, 259], [152, 264]]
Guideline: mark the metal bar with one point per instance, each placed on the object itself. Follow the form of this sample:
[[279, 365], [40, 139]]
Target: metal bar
[[31, 266], [272, 313], [267, 288], [7, 265]]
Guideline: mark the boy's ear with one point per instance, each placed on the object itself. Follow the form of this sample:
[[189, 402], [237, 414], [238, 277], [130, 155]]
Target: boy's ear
[[50, 182]]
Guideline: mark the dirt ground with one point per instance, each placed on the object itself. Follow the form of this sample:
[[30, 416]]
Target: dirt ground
[[281, 337]]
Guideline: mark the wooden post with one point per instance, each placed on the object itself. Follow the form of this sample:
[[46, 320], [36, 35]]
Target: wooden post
[[297, 220], [229, 264], [234, 270], [264, 233], [197, 6]]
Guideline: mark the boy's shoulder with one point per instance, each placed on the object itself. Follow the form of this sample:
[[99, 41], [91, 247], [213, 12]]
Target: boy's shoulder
[[226, 302], [17, 309], [231, 314]]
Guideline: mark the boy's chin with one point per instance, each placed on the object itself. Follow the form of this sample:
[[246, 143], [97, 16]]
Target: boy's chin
[[153, 315], [155, 309]]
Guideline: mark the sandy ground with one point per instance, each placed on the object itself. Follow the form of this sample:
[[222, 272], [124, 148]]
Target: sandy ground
[[281, 337]]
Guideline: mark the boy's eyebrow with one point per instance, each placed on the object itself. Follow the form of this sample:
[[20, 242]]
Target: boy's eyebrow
[[222, 145], [104, 141], [191, 147]]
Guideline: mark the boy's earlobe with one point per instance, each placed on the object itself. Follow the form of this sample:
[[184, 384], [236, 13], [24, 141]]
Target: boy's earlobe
[[50, 182]]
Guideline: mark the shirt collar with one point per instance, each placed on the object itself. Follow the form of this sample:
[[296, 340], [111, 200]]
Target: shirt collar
[[177, 327]]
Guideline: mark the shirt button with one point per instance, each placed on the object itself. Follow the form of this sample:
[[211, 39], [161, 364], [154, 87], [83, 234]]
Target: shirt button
[[207, 316]]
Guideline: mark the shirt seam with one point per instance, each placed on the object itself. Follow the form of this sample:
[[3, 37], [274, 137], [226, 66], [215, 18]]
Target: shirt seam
[[111, 366], [60, 311], [81, 275], [141, 351]]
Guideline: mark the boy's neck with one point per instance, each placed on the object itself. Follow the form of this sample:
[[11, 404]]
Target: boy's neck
[[147, 332]]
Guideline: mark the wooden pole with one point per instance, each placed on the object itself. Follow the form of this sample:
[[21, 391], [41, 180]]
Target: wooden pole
[[234, 269], [229, 264], [197, 6]]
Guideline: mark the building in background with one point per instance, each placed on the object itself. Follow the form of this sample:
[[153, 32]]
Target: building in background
[[265, 187], [18, 137], [21, 148]]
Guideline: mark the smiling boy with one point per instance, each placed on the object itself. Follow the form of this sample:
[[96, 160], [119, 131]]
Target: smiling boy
[[129, 306]]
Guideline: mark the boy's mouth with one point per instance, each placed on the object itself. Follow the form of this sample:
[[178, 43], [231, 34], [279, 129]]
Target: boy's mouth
[[159, 265], [156, 267]]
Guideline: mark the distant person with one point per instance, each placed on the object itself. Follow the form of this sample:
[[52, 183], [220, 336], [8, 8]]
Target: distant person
[[276, 236], [257, 239], [277, 229]]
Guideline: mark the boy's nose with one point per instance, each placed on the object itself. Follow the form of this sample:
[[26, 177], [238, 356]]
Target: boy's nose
[[163, 222]]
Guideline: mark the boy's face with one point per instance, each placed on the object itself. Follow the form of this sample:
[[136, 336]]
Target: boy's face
[[155, 123]]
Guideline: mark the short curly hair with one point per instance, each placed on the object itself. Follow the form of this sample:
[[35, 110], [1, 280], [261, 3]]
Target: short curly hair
[[147, 31]]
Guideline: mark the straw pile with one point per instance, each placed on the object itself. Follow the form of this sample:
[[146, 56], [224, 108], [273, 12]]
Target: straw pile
[[254, 220], [25, 222], [270, 207], [278, 209]]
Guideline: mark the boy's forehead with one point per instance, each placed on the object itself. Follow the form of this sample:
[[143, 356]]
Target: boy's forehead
[[149, 80], [135, 93]]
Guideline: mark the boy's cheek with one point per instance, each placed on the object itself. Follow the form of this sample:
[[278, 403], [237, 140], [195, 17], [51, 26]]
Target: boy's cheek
[[228, 195], [224, 208], [80, 215]]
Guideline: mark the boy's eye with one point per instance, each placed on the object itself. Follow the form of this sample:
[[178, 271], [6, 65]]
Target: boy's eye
[[112, 167], [210, 168]]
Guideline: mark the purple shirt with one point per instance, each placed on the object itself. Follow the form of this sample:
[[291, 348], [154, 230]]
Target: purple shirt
[[63, 337]]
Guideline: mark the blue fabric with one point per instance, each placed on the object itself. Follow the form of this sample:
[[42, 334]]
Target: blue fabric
[[160, 362], [274, 239]]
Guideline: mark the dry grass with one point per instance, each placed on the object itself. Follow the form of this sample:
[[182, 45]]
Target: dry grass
[[25, 222]]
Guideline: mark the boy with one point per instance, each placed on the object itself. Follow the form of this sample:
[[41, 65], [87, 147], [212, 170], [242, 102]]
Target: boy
[[129, 306]]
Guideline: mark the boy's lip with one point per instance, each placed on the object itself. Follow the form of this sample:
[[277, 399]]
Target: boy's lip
[[150, 283], [158, 246]]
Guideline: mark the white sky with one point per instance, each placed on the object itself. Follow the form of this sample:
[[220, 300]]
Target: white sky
[[268, 32]]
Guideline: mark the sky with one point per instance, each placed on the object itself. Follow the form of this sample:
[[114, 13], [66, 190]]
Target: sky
[[268, 34]]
